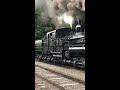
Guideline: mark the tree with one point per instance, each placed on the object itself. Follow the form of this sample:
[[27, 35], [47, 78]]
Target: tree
[[42, 26]]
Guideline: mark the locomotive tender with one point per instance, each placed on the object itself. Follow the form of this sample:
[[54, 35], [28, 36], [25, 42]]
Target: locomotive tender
[[65, 46]]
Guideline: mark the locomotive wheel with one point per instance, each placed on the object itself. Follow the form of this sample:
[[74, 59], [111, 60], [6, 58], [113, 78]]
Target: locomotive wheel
[[37, 56], [68, 62], [64, 61], [83, 63], [71, 62], [48, 58], [56, 59], [75, 63], [60, 61], [42, 58], [52, 59]]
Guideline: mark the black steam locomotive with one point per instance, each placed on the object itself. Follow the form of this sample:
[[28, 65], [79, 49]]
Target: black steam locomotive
[[64, 46]]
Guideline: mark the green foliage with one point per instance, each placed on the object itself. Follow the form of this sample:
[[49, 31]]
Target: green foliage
[[42, 26]]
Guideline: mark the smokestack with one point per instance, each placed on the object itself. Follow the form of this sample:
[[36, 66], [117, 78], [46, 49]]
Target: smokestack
[[78, 28]]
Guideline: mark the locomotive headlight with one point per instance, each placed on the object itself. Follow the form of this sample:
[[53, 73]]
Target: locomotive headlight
[[81, 40]]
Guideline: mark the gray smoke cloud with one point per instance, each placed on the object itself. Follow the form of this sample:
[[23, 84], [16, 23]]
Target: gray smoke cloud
[[60, 10], [39, 3]]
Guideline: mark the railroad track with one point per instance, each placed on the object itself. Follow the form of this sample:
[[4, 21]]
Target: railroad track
[[60, 81], [42, 84], [63, 65], [59, 64]]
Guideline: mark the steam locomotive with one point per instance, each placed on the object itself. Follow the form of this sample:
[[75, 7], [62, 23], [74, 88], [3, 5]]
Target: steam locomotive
[[64, 46]]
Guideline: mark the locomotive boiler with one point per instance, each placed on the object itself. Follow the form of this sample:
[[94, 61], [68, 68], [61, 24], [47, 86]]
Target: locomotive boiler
[[65, 46]]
